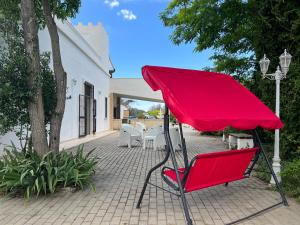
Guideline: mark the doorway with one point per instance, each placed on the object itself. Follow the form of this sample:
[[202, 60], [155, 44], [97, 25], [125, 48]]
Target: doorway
[[87, 111]]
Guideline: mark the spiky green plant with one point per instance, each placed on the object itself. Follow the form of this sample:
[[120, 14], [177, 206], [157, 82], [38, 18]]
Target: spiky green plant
[[31, 174]]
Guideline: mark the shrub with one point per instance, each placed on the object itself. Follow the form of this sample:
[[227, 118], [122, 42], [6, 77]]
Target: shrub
[[291, 178], [262, 170], [212, 133], [31, 174], [290, 174], [226, 132]]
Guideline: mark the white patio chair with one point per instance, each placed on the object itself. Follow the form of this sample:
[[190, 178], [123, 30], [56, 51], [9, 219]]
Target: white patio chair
[[141, 128], [159, 141], [151, 134], [175, 138], [128, 135]]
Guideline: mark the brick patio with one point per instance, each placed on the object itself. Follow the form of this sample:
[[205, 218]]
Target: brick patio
[[119, 180]]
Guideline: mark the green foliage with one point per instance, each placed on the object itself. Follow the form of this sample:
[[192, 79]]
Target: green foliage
[[173, 119], [209, 133], [226, 132], [291, 178], [225, 26], [48, 87], [136, 112], [262, 170], [140, 115], [240, 32], [61, 9], [15, 94], [290, 174], [154, 112], [290, 107], [31, 174]]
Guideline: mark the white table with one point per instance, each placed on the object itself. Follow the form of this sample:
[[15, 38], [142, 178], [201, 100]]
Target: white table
[[240, 141]]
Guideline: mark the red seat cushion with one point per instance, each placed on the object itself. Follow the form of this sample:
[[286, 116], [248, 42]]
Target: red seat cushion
[[215, 168]]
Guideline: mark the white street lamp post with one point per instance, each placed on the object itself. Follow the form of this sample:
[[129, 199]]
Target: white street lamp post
[[285, 60]]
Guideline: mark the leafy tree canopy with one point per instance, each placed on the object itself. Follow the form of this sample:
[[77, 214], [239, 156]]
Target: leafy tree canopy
[[240, 32], [14, 91], [61, 9]]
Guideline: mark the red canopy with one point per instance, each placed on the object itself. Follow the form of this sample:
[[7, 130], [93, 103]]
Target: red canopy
[[209, 101]]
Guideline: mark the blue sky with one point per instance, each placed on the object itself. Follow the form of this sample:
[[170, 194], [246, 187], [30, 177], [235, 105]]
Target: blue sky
[[138, 37]]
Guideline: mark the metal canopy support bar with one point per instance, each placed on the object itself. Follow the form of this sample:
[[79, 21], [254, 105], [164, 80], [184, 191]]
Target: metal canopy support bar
[[183, 146], [257, 141], [175, 165], [170, 151], [258, 144], [166, 126]]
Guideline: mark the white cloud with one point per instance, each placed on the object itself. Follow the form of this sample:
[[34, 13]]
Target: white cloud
[[127, 14], [112, 3]]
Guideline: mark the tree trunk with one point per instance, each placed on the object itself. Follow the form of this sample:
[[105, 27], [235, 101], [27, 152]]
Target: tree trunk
[[60, 79], [35, 108]]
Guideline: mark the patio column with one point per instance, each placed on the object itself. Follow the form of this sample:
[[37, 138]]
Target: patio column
[[111, 110]]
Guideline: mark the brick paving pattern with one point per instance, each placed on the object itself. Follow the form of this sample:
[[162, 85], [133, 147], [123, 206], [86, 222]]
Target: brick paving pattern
[[119, 179]]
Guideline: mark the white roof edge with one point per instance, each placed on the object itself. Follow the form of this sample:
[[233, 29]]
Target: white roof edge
[[60, 25]]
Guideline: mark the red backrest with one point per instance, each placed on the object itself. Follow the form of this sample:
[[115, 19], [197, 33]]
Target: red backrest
[[219, 167]]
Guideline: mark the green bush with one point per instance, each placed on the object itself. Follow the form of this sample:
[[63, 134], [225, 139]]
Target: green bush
[[212, 133], [290, 174], [291, 178], [262, 170], [30, 174]]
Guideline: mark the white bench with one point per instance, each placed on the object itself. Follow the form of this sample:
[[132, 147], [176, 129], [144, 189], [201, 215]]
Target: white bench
[[240, 141]]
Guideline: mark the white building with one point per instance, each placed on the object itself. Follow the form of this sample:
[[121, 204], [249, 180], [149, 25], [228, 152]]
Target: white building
[[93, 97], [85, 58]]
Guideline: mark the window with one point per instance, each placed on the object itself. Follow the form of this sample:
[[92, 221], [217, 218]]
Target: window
[[105, 115]]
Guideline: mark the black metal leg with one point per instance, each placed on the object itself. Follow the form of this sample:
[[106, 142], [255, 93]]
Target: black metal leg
[[278, 185], [249, 170], [184, 152], [149, 175], [170, 151], [166, 127], [182, 195]]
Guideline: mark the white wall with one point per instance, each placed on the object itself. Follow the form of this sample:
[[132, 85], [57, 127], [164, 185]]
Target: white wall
[[82, 64], [85, 60], [93, 34]]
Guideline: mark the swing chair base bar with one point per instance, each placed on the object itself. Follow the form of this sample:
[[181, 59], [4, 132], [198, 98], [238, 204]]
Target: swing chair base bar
[[256, 213], [178, 195]]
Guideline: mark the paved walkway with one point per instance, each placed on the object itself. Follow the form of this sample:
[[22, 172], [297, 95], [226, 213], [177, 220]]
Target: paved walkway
[[119, 179], [75, 142]]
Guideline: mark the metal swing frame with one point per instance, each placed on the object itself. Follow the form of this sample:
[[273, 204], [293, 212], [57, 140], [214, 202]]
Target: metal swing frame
[[171, 152]]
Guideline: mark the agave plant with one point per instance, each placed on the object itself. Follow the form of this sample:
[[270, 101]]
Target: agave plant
[[31, 174]]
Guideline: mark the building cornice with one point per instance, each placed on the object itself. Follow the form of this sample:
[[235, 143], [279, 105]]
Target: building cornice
[[91, 53]]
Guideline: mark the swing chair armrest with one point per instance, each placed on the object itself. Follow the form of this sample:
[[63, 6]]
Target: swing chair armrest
[[167, 180], [170, 168]]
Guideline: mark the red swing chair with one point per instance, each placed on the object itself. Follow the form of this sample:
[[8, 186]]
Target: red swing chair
[[209, 101]]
